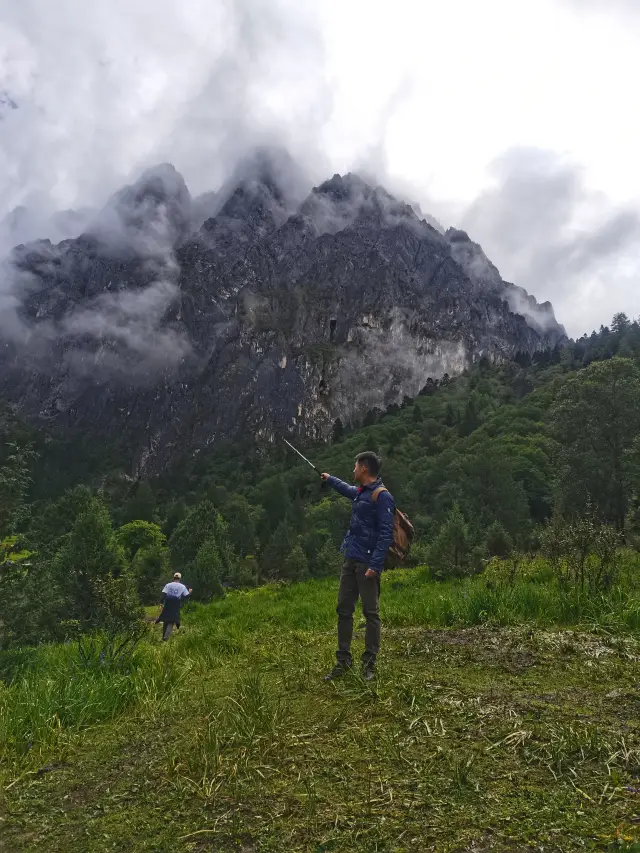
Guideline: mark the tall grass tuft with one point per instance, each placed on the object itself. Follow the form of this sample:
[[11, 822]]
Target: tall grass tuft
[[66, 688]]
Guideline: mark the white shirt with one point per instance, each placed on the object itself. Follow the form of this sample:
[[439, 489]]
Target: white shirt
[[176, 589]]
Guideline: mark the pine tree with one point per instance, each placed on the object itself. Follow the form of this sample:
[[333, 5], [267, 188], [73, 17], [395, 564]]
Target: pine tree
[[450, 552], [200, 524], [141, 506], [451, 415], [498, 541], [150, 568], [328, 561], [56, 518], [206, 572], [295, 567], [276, 502], [282, 543], [92, 571], [14, 481], [620, 323], [241, 519], [471, 417], [176, 513]]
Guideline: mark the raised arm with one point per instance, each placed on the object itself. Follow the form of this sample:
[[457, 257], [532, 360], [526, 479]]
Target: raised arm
[[343, 488]]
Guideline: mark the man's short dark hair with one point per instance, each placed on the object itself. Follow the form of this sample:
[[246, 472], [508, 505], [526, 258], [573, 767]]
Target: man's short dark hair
[[370, 461]]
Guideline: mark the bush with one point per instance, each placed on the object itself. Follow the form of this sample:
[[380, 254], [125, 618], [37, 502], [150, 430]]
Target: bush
[[451, 553], [91, 570], [583, 553], [199, 525], [207, 571], [139, 534], [245, 573], [498, 542], [295, 566], [150, 566], [328, 561]]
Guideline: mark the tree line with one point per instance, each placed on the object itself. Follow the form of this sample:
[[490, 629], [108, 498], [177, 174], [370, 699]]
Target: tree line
[[538, 454]]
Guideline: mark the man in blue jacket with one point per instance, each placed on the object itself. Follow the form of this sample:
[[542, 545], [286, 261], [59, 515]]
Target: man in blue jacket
[[365, 547]]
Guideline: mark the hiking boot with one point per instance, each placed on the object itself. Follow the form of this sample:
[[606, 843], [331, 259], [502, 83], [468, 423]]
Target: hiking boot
[[337, 672], [368, 672]]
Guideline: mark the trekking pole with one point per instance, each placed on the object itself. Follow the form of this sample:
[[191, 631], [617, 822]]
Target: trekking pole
[[303, 457]]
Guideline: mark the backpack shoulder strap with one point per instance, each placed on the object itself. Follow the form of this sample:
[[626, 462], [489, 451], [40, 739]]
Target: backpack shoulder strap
[[376, 492]]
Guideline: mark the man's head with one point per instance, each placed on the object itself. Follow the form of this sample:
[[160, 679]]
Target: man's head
[[177, 576], [367, 468]]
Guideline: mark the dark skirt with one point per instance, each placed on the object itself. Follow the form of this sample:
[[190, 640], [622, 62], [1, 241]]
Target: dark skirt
[[170, 611]]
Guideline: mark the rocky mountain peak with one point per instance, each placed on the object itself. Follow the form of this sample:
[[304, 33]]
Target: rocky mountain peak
[[148, 218], [286, 310], [486, 277]]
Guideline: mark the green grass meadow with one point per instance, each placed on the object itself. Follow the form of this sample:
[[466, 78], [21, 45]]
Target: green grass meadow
[[505, 717]]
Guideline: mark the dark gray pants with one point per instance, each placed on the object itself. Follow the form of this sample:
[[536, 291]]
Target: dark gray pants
[[354, 585]]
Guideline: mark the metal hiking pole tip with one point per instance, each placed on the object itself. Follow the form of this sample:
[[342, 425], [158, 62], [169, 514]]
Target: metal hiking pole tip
[[302, 457]]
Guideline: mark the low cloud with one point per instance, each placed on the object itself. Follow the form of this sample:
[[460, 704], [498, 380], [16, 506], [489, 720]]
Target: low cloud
[[122, 334], [49, 298], [548, 232], [607, 6]]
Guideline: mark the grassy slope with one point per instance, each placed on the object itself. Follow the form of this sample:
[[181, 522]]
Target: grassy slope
[[492, 737]]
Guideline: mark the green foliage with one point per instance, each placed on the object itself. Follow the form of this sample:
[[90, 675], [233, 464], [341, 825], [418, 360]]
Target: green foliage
[[620, 323], [327, 560], [207, 571], [176, 512], [274, 496], [91, 569], [498, 542], [150, 566], [329, 517], [451, 553], [201, 547], [245, 572], [506, 443], [141, 505], [54, 520], [582, 552], [596, 419], [294, 566], [31, 603], [282, 543], [200, 524], [243, 521], [15, 477], [139, 534]]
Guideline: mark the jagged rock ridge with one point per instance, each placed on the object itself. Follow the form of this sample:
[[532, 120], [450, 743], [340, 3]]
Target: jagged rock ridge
[[276, 315]]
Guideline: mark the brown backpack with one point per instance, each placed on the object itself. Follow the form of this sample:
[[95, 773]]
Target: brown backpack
[[403, 532]]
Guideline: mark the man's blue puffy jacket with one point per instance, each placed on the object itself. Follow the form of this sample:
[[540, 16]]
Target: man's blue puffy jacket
[[371, 529]]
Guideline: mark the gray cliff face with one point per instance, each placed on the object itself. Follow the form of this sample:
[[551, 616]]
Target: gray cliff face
[[274, 317], [485, 276]]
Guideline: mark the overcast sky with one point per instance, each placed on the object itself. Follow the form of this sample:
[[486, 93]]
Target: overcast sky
[[514, 119]]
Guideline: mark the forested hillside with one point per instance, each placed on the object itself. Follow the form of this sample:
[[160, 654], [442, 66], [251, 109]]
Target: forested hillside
[[505, 459]]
